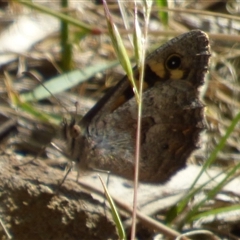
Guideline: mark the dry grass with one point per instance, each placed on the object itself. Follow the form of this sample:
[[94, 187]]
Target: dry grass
[[220, 93]]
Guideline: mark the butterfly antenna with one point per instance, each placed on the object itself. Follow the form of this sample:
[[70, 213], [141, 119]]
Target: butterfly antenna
[[76, 106], [33, 76]]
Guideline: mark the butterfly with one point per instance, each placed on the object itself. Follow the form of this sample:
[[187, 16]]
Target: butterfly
[[172, 116]]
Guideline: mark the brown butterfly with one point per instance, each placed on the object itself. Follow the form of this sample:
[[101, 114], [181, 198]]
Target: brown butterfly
[[172, 115]]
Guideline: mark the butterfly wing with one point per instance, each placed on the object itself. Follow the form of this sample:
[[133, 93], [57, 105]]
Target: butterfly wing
[[171, 121]]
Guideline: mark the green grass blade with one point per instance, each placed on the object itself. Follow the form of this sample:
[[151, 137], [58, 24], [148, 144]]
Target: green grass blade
[[66, 53], [218, 148], [163, 15], [116, 217], [214, 212], [61, 16], [177, 209], [65, 81], [120, 49], [184, 202], [18, 102], [211, 194]]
